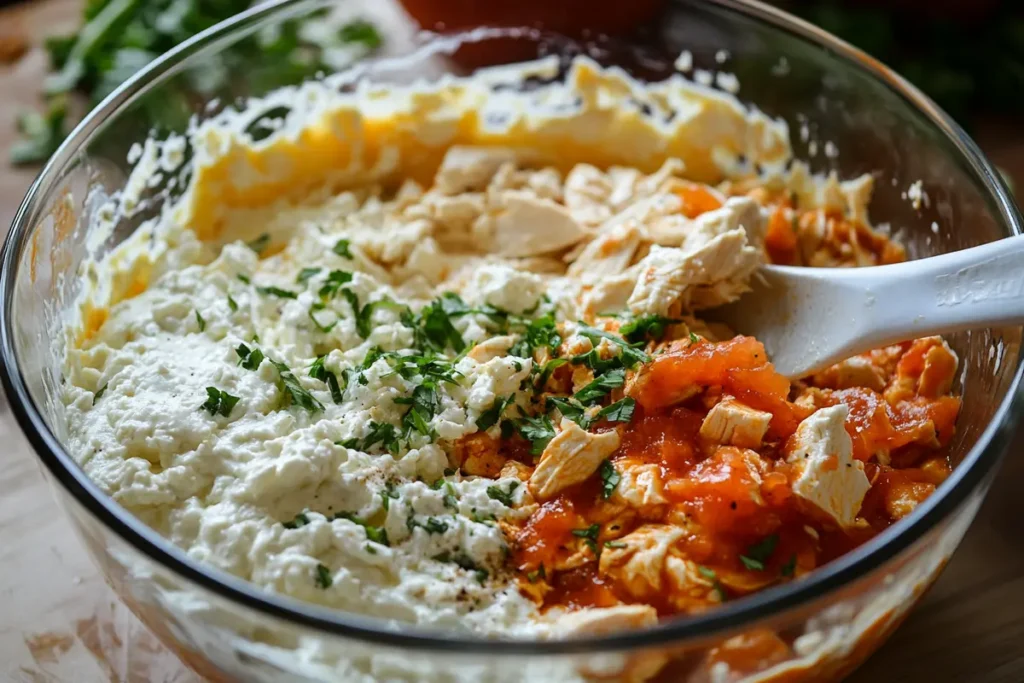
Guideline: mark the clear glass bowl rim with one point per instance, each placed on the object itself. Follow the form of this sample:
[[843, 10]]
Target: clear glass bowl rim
[[972, 472]]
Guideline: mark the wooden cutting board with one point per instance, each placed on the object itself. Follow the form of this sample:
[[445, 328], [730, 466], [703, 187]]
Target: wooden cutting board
[[60, 623]]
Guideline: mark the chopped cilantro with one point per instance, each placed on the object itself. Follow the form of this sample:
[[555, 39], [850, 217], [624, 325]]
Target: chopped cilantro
[[503, 497], [201, 321], [260, 243], [341, 248], [646, 327], [620, 411], [789, 568], [305, 274], [610, 478], [249, 359], [278, 292], [219, 402], [323, 576], [538, 431], [299, 396], [300, 520], [601, 386], [100, 393], [760, 553]]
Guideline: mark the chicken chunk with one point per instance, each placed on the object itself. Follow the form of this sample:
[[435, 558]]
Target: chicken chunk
[[495, 347], [828, 478], [731, 423], [637, 561], [470, 168], [603, 620], [640, 487], [586, 191], [608, 255], [525, 225], [570, 458], [710, 268]]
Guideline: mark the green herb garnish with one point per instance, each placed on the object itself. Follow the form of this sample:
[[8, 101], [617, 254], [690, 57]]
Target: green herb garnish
[[758, 555], [620, 411], [200, 321], [299, 396], [341, 248], [323, 576], [305, 274], [538, 431], [100, 393], [260, 243], [249, 359], [219, 402], [278, 292], [503, 497], [610, 478]]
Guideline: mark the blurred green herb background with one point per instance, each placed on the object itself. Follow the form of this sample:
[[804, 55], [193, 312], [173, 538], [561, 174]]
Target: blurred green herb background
[[119, 37]]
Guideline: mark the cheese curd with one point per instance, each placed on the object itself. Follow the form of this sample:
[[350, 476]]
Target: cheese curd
[[432, 354]]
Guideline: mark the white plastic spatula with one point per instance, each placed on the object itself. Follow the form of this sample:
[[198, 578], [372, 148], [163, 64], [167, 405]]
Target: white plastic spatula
[[810, 318]]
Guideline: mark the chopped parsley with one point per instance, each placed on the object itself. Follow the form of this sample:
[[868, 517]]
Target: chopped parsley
[[629, 355], [646, 327], [300, 520], [341, 248], [278, 292], [219, 402], [260, 243], [610, 478], [99, 394], [232, 304], [601, 386], [423, 405], [249, 359], [435, 526], [492, 415], [299, 396], [437, 328], [711, 576], [323, 576], [202, 323], [383, 433], [305, 274], [539, 333], [318, 371], [694, 338], [569, 409], [590, 536], [376, 534], [620, 411], [323, 328], [538, 431], [544, 374], [758, 555], [387, 495], [244, 278], [503, 497], [789, 568], [335, 279]]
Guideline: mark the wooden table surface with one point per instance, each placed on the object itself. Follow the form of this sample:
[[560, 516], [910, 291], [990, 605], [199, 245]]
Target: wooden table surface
[[60, 623]]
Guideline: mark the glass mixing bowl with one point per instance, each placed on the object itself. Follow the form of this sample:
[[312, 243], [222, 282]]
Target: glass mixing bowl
[[847, 113]]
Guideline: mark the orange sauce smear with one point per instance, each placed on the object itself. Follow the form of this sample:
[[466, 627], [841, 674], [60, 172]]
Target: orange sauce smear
[[733, 499]]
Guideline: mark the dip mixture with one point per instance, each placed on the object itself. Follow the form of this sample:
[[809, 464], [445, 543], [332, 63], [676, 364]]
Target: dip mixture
[[434, 353]]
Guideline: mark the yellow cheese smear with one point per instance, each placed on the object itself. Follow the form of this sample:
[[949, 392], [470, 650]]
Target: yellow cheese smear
[[380, 133]]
